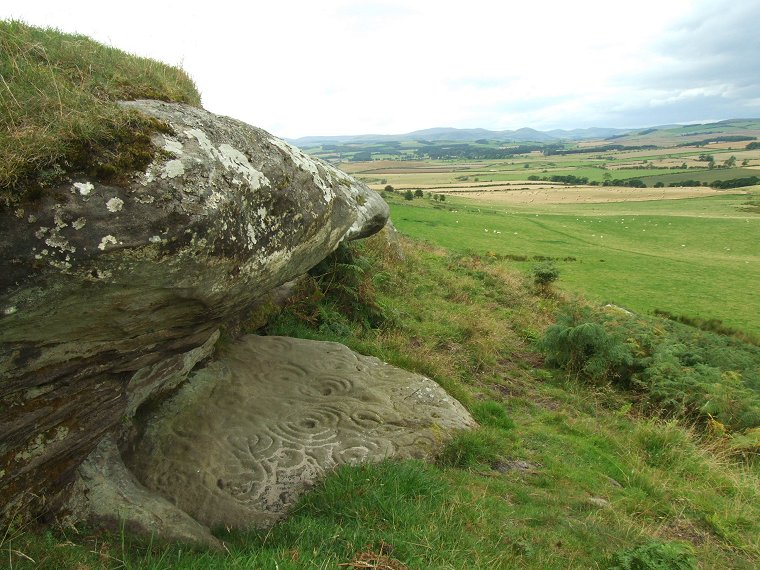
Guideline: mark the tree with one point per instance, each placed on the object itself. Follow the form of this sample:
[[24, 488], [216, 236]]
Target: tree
[[442, 197], [388, 188], [418, 193], [544, 274], [408, 195], [730, 162]]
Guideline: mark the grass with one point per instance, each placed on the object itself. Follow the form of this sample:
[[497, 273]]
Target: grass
[[695, 257], [563, 473], [560, 474], [59, 111], [701, 175]]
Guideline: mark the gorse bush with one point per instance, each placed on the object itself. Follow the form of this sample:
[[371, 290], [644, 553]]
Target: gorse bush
[[59, 108]]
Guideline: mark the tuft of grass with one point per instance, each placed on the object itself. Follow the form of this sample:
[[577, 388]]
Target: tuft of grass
[[477, 448], [59, 111], [656, 555], [492, 413]]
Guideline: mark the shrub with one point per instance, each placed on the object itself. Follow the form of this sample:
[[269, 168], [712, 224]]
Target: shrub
[[674, 368], [544, 274], [408, 195], [586, 349]]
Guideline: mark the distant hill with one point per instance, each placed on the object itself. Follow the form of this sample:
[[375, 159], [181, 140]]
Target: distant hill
[[464, 135], [532, 135]]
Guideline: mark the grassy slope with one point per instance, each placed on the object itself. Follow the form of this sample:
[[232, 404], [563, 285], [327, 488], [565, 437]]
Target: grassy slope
[[58, 110], [697, 257], [598, 478], [467, 322]]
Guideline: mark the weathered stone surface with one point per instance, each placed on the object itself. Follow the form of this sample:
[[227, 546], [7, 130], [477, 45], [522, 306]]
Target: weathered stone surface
[[107, 495], [98, 282], [245, 436], [154, 381]]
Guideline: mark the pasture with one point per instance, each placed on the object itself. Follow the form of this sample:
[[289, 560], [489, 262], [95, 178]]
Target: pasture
[[692, 256]]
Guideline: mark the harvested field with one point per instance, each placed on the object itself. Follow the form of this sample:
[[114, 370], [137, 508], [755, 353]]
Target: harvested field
[[583, 194]]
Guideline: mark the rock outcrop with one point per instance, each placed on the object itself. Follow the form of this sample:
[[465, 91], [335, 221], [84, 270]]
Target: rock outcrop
[[246, 435], [110, 295]]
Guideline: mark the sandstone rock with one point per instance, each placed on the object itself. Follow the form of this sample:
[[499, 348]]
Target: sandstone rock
[[245, 436], [107, 495], [99, 282]]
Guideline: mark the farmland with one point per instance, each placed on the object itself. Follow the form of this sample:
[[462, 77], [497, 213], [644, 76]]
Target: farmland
[[696, 256], [688, 250]]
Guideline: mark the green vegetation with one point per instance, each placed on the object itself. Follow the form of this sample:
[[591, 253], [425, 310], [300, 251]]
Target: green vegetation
[[607, 439], [672, 369], [561, 474], [544, 274], [647, 256], [59, 112], [656, 556]]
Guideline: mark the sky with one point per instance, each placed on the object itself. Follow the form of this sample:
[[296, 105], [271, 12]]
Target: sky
[[339, 67]]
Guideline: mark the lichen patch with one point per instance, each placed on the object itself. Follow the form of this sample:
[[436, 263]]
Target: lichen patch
[[59, 242], [231, 158], [172, 146], [305, 162], [84, 188], [235, 160], [115, 205], [173, 168], [106, 241]]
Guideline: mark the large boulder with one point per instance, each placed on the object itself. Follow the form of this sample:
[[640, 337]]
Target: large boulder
[[247, 434], [110, 294]]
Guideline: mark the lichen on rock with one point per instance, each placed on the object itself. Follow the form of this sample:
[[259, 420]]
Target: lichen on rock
[[99, 281]]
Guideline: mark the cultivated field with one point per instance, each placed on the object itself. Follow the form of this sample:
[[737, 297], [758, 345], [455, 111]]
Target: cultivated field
[[539, 194], [690, 250]]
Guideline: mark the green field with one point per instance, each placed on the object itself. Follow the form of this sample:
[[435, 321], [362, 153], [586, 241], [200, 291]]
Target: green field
[[697, 257], [606, 440]]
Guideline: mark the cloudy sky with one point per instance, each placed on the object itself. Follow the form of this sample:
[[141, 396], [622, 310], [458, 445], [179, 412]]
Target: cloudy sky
[[324, 67]]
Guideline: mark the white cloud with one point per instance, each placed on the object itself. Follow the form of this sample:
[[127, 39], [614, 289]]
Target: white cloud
[[343, 66]]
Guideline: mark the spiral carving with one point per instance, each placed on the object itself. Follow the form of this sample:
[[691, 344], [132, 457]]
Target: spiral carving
[[239, 443]]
